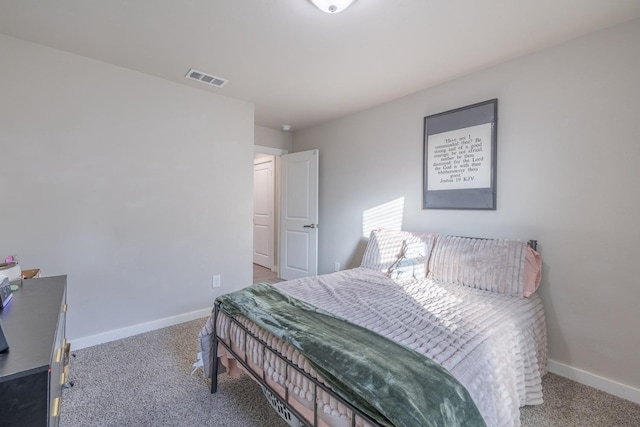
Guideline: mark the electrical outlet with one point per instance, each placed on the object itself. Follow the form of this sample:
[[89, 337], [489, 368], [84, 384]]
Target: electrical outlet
[[336, 266], [216, 281]]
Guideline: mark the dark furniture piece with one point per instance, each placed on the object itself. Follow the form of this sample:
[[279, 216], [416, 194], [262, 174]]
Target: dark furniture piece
[[34, 369]]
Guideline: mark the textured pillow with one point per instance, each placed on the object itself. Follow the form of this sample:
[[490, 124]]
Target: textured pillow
[[412, 263], [385, 247], [490, 264]]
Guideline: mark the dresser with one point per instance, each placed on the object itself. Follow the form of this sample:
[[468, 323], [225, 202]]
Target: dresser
[[34, 369]]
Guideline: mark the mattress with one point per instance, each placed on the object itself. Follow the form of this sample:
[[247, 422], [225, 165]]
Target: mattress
[[494, 344]]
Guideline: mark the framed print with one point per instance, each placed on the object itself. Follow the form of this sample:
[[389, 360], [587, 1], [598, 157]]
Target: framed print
[[460, 153]]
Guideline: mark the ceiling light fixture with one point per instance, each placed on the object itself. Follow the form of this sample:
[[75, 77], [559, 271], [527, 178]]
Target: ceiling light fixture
[[332, 6]]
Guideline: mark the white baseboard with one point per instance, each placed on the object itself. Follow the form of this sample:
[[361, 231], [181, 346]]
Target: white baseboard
[[587, 378], [116, 334]]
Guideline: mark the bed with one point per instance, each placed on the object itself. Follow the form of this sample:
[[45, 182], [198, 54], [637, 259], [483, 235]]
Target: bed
[[468, 306]]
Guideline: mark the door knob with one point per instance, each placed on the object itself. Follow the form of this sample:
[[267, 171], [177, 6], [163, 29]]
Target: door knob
[[310, 226]]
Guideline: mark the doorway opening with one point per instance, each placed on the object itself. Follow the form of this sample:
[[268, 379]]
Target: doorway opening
[[266, 213]]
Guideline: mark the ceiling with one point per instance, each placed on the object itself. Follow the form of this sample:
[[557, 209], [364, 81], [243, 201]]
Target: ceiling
[[301, 66]]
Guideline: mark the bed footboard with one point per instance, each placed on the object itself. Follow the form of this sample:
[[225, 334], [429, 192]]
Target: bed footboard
[[357, 417]]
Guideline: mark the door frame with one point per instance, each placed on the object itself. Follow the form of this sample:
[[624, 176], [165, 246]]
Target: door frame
[[276, 152]]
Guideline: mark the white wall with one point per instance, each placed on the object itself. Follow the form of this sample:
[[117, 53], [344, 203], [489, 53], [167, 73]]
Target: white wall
[[139, 189], [273, 138], [568, 175]]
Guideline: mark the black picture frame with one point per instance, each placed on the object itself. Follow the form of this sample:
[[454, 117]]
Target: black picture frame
[[459, 172]]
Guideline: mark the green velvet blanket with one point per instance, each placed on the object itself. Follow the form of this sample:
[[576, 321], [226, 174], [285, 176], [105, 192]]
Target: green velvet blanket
[[391, 383]]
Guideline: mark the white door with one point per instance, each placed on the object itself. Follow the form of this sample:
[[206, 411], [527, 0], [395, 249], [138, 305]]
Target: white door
[[263, 207], [299, 215]]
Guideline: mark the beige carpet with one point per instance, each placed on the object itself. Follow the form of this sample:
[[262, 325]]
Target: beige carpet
[[264, 275], [568, 403], [145, 381]]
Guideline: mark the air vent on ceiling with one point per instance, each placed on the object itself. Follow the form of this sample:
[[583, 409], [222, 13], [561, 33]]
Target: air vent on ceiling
[[206, 78]]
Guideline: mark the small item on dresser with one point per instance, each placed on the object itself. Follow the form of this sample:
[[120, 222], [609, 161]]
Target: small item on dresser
[[32, 273], [12, 271], [5, 292]]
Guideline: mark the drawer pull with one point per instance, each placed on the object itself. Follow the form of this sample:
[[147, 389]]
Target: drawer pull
[[67, 352], [55, 410]]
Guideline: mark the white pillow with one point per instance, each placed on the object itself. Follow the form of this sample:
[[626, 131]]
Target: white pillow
[[412, 263], [385, 247]]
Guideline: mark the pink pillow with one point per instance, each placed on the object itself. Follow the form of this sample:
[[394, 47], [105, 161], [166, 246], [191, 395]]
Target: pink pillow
[[532, 274]]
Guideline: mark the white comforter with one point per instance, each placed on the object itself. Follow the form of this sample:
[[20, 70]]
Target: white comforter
[[494, 344]]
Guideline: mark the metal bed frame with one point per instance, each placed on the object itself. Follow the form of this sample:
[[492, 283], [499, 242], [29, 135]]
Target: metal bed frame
[[355, 412]]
